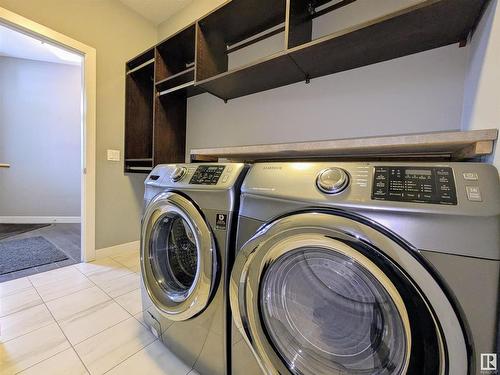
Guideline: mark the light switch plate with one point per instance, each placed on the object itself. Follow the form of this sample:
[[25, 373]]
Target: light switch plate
[[114, 155]]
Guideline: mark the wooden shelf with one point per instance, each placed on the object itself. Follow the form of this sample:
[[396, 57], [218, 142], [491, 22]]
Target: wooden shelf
[[180, 82], [137, 62], [144, 165], [275, 71], [187, 89], [441, 145], [142, 66], [428, 25], [134, 169], [183, 76]]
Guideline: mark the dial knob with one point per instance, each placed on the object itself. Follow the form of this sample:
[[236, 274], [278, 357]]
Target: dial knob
[[178, 174], [332, 180]]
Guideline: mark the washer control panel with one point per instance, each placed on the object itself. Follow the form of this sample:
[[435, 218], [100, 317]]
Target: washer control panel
[[414, 184], [207, 175]]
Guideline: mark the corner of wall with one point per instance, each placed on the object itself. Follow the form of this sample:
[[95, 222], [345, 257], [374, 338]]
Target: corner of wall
[[482, 80], [186, 16]]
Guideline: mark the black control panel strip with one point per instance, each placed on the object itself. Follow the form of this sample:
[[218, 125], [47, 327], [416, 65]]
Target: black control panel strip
[[207, 175], [435, 185]]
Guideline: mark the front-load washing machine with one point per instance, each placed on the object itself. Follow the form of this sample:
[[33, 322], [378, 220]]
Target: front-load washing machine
[[367, 268], [186, 237]]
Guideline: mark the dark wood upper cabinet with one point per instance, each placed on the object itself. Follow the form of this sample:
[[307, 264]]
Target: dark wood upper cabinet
[[159, 82], [139, 98], [247, 46]]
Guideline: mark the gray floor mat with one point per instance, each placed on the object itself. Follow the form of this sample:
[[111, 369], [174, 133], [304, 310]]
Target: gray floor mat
[[10, 230], [26, 253]]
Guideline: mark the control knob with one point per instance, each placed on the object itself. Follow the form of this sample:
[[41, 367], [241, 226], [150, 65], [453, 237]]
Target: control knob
[[178, 174], [332, 180]]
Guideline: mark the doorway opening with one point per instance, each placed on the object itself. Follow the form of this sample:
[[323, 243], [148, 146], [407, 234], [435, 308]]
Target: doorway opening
[[47, 143]]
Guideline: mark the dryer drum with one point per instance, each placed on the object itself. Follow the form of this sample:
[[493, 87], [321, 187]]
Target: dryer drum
[[174, 254], [324, 308]]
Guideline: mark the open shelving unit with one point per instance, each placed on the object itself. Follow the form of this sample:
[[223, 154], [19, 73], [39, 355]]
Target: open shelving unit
[[156, 112], [139, 92], [208, 56], [235, 26]]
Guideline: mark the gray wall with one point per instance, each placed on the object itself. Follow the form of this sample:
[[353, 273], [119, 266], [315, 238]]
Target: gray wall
[[482, 84], [40, 125]]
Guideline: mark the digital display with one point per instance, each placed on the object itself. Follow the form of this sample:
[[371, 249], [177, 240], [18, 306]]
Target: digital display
[[434, 185], [418, 172], [207, 175]]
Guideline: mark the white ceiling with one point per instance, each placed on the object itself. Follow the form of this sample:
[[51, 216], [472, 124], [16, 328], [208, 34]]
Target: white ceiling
[[16, 44], [156, 11]]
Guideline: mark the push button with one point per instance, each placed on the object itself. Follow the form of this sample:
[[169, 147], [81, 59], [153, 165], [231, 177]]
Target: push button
[[470, 176], [473, 193]]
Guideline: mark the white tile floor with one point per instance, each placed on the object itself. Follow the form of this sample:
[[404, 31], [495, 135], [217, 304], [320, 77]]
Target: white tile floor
[[80, 319]]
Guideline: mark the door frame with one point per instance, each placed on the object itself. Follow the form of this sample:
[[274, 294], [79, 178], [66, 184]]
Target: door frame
[[88, 119]]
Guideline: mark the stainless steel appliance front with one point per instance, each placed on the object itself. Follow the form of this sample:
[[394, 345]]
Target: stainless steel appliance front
[[187, 234], [346, 283]]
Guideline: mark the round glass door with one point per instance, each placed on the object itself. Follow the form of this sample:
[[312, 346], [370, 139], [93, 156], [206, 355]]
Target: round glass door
[[178, 257], [174, 256], [327, 314]]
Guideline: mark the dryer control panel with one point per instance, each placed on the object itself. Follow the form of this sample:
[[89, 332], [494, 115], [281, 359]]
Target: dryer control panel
[[207, 175], [414, 184]]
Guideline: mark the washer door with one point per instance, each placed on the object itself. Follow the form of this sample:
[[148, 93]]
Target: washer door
[[178, 257], [317, 293]]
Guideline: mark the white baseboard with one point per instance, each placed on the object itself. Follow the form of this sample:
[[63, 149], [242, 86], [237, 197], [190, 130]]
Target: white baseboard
[[120, 249], [39, 219]]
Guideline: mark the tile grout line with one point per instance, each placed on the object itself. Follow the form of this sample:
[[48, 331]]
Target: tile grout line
[[117, 278], [110, 299], [26, 308], [114, 298], [144, 347], [114, 325], [71, 346], [66, 295], [27, 333], [66, 337], [132, 316]]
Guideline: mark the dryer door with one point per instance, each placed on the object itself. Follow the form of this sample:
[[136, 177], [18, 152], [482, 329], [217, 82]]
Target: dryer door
[[319, 293], [178, 257]]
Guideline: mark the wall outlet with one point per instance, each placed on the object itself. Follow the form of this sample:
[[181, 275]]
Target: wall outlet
[[113, 155]]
